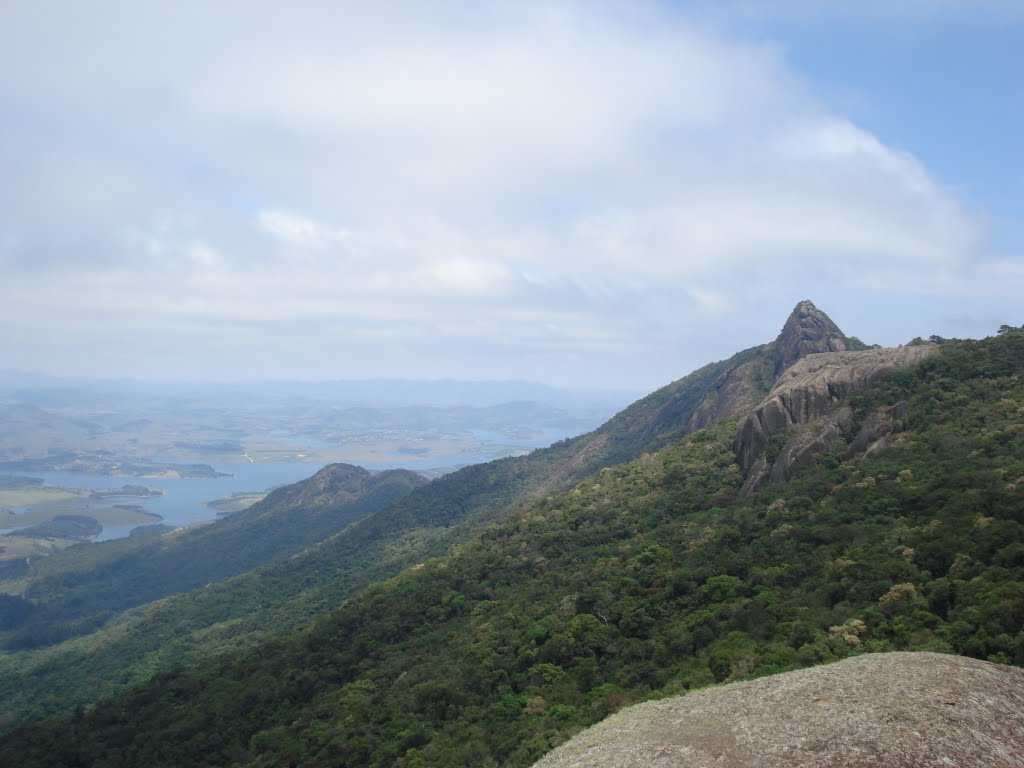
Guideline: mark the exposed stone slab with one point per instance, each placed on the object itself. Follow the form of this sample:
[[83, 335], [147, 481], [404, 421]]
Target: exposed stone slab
[[809, 390], [913, 710]]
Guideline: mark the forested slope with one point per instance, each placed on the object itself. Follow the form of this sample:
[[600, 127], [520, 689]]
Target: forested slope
[[646, 579]]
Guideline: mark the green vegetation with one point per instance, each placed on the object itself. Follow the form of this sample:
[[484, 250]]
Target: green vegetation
[[58, 518], [71, 503], [61, 516], [64, 527], [645, 579], [103, 463], [27, 496]]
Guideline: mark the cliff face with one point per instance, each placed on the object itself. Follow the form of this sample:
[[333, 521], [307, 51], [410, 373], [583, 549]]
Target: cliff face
[[906, 709], [807, 392], [810, 366], [807, 331]]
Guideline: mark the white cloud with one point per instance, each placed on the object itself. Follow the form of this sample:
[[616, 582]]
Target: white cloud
[[293, 229], [608, 175], [470, 277], [203, 254]]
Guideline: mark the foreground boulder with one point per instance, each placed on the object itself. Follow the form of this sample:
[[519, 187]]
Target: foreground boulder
[[892, 709]]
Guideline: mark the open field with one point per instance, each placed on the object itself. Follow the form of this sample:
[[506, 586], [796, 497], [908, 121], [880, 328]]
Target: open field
[[27, 497], [18, 547]]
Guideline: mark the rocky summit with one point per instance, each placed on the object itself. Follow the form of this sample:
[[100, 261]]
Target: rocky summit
[[808, 331], [914, 710]]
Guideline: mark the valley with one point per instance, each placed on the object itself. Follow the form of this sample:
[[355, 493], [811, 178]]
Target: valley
[[439, 385], [221, 448], [488, 615]]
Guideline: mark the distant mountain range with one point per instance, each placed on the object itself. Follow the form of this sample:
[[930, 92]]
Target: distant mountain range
[[43, 389], [803, 501]]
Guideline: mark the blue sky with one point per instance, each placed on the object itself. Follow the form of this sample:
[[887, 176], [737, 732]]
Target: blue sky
[[943, 84], [572, 192]]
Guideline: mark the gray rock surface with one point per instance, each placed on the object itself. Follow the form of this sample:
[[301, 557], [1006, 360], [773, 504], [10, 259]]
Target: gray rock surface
[[733, 394], [806, 445], [809, 390], [918, 710], [807, 331]]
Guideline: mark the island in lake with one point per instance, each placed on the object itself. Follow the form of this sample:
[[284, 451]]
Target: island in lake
[[38, 519], [103, 463]]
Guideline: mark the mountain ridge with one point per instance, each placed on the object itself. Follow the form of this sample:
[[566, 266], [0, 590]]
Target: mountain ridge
[[715, 392], [470, 503], [424, 524], [651, 576]]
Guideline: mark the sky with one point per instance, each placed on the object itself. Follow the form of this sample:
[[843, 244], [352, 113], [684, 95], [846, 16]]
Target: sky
[[605, 194]]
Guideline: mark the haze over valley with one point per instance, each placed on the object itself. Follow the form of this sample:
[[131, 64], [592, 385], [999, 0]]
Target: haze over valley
[[140, 455]]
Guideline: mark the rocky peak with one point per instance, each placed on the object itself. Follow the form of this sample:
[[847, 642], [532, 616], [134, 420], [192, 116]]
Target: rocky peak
[[807, 331]]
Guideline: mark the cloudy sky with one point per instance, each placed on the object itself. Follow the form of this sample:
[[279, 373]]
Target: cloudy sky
[[600, 193]]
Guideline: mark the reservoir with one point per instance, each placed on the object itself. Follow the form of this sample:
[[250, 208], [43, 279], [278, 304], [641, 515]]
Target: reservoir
[[184, 499]]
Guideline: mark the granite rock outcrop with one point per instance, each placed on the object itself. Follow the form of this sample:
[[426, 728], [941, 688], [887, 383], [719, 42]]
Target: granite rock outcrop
[[920, 710], [808, 392], [807, 331]]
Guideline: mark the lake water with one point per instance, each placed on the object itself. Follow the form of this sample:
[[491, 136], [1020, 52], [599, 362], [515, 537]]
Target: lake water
[[184, 499]]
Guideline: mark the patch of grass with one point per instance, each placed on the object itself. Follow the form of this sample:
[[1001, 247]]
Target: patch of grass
[[27, 497]]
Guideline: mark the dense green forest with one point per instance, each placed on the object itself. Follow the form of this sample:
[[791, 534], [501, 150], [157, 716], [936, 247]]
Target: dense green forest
[[645, 579]]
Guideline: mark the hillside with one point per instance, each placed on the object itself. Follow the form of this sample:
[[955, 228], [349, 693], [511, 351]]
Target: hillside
[[645, 580], [907, 709], [423, 524]]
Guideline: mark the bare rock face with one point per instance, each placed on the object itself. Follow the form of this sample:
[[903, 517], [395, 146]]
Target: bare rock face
[[727, 389], [913, 710], [808, 391], [808, 444], [808, 331]]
